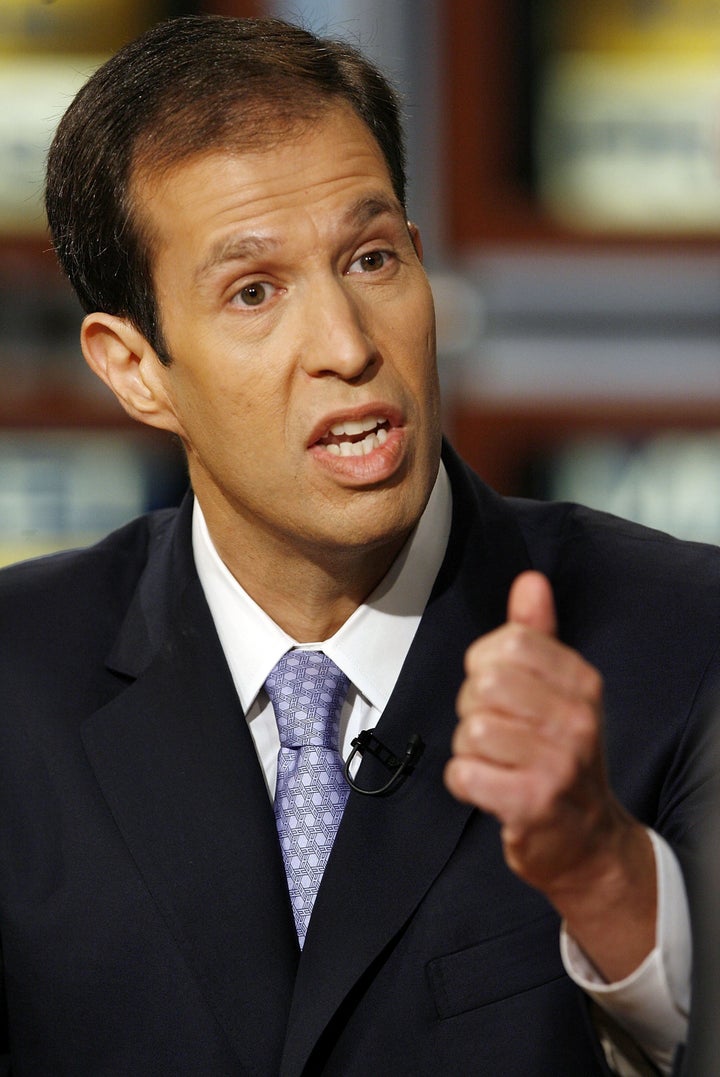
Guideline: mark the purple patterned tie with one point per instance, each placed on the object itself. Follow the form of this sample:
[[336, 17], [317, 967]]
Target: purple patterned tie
[[307, 691]]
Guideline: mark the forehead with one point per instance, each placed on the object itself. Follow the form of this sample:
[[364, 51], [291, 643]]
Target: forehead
[[318, 168]]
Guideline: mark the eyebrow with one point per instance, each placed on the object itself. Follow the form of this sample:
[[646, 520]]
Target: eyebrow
[[237, 248], [369, 207]]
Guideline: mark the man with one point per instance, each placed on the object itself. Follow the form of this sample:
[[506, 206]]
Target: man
[[227, 197]]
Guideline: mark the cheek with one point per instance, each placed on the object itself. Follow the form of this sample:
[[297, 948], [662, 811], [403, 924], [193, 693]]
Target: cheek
[[410, 322], [420, 320], [218, 380], [417, 331]]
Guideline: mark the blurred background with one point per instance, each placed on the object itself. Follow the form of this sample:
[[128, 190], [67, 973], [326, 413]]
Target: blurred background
[[565, 172]]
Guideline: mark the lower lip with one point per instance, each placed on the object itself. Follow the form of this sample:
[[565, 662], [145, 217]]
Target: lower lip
[[378, 466]]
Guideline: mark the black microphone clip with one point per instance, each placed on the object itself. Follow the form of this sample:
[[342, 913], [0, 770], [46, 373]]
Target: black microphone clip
[[366, 741]]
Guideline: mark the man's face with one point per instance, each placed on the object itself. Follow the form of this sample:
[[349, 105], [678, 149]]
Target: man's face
[[301, 330]]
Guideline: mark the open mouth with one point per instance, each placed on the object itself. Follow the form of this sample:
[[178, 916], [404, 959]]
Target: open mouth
[[356, 437]]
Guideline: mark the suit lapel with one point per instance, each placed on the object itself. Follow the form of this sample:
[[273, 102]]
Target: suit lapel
[[176, 764], [389, 850]]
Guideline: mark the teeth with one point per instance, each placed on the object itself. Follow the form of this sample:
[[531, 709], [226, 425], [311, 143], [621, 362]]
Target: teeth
[[375, 431], [359, 448], [355, 426]]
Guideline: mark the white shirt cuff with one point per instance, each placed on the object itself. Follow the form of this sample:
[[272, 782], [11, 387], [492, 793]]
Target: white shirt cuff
[[652, 1004]]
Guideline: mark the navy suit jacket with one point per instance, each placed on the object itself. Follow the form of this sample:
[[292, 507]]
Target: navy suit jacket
[[145, 924]]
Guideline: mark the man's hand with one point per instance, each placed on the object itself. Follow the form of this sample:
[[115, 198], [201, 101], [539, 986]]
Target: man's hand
[[528, 748]]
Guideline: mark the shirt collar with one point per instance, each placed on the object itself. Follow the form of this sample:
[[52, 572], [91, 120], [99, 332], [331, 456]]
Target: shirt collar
[[373, 643]]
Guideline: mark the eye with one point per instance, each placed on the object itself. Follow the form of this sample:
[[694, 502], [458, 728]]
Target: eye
[[370, 262], [255, 294]]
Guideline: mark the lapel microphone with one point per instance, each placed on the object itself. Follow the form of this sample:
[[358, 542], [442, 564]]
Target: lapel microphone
[[368, 742]]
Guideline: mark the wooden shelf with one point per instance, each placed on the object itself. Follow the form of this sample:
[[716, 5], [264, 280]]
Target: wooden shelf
[[60, 406], [488, 66]]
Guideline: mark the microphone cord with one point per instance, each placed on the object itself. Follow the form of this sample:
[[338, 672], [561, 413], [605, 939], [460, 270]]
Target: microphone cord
[[367, 741]]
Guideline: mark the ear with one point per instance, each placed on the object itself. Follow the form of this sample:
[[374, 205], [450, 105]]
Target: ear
[[416, 239], [121, 357]]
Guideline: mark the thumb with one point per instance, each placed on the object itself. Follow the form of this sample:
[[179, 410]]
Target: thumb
[[531, 603]]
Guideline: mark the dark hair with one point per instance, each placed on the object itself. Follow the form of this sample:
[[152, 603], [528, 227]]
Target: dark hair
[[189, 85]]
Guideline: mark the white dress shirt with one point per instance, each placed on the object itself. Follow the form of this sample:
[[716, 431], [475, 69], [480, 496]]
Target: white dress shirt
[[370, 648]]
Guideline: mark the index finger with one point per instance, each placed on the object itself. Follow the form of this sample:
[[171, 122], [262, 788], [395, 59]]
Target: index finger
[[518, 647]]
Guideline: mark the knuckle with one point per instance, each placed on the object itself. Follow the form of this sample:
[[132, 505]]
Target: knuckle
[[463, 699], [480, 687], [487, 682], [462, 738], [473, 655], [516, 642]]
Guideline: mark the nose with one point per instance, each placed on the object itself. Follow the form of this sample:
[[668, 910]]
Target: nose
[[337, 338]]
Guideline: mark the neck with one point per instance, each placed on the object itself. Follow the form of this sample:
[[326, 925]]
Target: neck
[[308, 594]]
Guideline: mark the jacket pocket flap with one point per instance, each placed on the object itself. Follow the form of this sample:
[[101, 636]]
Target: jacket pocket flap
[[497, 968]]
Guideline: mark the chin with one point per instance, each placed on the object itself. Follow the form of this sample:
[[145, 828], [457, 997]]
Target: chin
[[389, 523]]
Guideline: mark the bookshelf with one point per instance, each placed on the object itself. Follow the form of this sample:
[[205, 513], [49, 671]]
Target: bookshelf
[[496, 218], [491, 215]]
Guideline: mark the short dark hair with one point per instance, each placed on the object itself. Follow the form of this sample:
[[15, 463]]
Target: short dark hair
[[189, 85]]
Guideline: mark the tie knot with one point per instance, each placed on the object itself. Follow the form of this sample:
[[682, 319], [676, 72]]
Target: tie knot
[[307, 691]]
